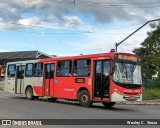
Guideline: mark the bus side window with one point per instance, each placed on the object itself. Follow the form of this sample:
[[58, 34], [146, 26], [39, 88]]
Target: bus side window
[[29, 70], [82, 67], [38, 69], [11, 70], [20, 71], [64, 68]]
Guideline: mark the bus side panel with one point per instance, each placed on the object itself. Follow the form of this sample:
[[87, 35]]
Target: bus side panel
[[38, 90], [10, 85], [36, 83], [5, 84], [65, 87]]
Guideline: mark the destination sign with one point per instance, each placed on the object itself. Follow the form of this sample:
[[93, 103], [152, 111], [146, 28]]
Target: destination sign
[[126, 57]]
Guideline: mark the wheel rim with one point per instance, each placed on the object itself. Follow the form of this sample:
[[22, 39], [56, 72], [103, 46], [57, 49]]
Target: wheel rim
[[84, 98]]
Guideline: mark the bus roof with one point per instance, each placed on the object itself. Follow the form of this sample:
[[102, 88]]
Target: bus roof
[[107, 54], [20, 62]]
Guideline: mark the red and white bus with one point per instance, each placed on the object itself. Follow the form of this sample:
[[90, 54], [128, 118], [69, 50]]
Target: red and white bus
[[106, 77], [2, 71]]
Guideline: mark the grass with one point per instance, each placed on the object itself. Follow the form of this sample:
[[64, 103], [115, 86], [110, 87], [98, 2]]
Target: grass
[[150, 94]]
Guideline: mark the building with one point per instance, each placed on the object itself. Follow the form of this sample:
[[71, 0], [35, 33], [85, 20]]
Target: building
[[21, 56]]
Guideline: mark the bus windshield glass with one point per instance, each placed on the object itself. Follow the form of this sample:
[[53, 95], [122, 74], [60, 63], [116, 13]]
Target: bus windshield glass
[[127, 73]]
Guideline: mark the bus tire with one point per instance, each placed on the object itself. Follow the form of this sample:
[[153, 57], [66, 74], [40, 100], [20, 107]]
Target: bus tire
[[29, 93], [108, 104], [84, 99]]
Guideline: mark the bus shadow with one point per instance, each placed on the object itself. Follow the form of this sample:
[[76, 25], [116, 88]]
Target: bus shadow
[[114, 108], [75, 103], [16, 97], [97, 106]]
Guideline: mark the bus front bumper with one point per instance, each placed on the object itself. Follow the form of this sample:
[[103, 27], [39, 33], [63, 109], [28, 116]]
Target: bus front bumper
[[116, 97]]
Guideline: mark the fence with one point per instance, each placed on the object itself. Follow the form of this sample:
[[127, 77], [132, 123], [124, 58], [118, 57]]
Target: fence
[[151, 83]]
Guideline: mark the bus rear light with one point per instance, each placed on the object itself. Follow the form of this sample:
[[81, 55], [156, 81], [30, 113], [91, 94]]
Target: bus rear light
[[89, 82]]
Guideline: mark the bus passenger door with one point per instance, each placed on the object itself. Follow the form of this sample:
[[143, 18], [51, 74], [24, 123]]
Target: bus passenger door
[[10, 78], [101, 78], [20, 79], [48, 79]]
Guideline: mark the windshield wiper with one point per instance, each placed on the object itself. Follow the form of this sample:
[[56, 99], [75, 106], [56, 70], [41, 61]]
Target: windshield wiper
[[124, 67], [134, 67]]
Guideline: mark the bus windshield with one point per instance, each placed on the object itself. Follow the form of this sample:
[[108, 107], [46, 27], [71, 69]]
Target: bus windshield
[[127, 73]]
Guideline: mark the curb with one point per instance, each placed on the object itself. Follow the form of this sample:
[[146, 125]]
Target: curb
[[139, 103]]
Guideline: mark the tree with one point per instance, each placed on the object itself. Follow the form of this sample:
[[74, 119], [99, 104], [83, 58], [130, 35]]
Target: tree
[[150, 52]]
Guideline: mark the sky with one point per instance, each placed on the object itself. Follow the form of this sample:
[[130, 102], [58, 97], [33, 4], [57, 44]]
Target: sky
[[73, 27]]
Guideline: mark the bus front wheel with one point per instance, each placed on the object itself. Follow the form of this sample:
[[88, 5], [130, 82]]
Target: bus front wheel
[[108, 104], [29, 93], [84, 99]]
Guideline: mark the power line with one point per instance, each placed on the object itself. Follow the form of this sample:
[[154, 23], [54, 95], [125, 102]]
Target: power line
[[120, 6], [73, 2], [112, 5], [128, 26], [33, 26], [66, 31]]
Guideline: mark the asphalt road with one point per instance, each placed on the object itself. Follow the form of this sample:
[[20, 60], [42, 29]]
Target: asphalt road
[[12, 107]]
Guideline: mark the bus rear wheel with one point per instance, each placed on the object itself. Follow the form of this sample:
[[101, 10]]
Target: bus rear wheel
[[108, 104], [84, 99], [29, 93]]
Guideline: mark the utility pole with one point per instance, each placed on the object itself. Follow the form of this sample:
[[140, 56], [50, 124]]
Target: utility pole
[[117, 44]]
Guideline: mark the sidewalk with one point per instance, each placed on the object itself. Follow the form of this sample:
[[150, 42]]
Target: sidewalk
[[1, 85], [143, 102]]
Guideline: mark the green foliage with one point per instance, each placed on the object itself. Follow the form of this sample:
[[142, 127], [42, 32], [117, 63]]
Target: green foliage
[[150, 52], [149, 94], [151, 89]]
